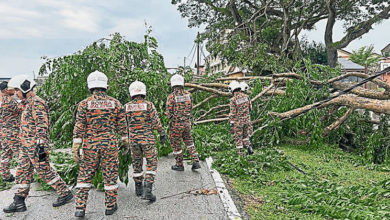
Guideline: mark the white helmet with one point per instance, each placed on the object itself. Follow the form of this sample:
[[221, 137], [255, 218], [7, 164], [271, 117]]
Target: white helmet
[[137, 88], [234, 85], [244, 87], [22, 82], [177, 80], [97, 80]]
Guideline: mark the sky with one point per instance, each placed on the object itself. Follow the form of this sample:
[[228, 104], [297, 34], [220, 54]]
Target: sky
[[35, 28]]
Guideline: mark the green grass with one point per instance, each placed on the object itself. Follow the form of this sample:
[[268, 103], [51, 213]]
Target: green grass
[[336, 186]]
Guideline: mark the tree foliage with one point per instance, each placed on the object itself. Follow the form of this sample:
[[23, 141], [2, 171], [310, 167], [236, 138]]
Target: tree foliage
[[122, 61], [365, 56], [257, 34]]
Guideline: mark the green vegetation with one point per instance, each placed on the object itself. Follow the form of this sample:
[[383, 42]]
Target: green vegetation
[[336, 186]]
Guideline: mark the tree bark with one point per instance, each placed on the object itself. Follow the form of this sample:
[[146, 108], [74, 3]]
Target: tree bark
[[364, 76], [352, 101], [204, 101], [191, 85], [337, 123], [331, 50], [362, 92]]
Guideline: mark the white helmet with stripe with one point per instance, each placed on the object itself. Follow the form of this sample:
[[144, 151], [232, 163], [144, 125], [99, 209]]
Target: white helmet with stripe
[[177, 80], [234, 85], [97, 80], [137, 88]]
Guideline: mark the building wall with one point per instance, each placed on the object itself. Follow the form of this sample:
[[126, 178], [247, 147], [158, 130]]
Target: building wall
[[343, 54]]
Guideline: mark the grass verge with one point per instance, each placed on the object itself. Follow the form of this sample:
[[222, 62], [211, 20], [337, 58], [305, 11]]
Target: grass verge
[[336, 186]]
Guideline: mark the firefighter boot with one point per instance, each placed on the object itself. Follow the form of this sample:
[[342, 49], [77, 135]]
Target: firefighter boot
[[10, 179], [62, 200], [17, 205], [195, 166], [139, 189], [250, 150], [79, 213], [111, 210], [178, 168], [148, 192]]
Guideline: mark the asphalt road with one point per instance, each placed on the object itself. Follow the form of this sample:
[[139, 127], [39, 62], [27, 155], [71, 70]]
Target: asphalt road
[[177, 198]]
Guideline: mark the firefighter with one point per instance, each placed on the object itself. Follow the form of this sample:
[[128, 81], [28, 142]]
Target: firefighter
[[142, 119], [179, 106], [34, 147], [100, 118], [10, 116], [239, 116]]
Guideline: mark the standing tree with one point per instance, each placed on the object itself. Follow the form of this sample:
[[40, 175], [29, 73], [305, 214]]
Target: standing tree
[[358, 18], [259, 34]]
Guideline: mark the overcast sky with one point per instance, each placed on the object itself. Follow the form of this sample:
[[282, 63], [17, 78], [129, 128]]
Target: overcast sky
[[35, 28]]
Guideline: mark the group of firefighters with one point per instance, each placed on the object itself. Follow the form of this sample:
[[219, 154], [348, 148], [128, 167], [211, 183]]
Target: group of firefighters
[[100, 120]]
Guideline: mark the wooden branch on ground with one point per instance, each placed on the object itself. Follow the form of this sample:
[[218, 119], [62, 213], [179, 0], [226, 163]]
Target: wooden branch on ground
[[275, 92], [211, 120], [204, 101], [222, 116], [364, 76], [262, 92], [335, 125], [278, 82], [245, 78], [367, 93], [196, 86], [212, 109], [216, 85], [379, 106], [257, 121]]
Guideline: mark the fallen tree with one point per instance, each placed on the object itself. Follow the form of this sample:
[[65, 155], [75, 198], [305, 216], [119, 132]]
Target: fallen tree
[[294, 98]]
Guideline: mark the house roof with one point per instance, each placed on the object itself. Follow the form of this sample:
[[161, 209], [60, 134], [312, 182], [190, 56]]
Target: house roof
[[349, 65], [385, 48], [344, 51]]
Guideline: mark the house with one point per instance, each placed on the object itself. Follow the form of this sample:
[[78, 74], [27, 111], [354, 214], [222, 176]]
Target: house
[[348, 66], [202, 70], [341, 53], [386, 51], [383, 64]]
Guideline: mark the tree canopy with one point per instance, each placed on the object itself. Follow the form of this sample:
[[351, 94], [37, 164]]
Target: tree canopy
[[257, 33]]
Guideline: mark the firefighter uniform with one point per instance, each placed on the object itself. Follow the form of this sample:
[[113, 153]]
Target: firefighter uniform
[[179, 106], [34, 151], [99, 120], [10, 116], [240, 121], [142, 119]]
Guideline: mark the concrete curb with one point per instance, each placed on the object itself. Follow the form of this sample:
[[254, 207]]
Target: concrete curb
[[227, 201]]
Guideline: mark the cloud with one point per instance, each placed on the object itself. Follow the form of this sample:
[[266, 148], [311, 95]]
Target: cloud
[[48, 19], [132, 29], [83, 19]]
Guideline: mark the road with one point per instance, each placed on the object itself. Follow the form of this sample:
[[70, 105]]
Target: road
[[171, 188]]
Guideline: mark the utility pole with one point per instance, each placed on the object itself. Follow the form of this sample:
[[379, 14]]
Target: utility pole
[[184, 62], [197, 54]]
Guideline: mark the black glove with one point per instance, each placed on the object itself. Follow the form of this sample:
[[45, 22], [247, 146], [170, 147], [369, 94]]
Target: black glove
[[163, 138], [41, 153]]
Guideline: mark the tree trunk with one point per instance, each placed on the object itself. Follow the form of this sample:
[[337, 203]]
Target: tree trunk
[[331, 50]]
